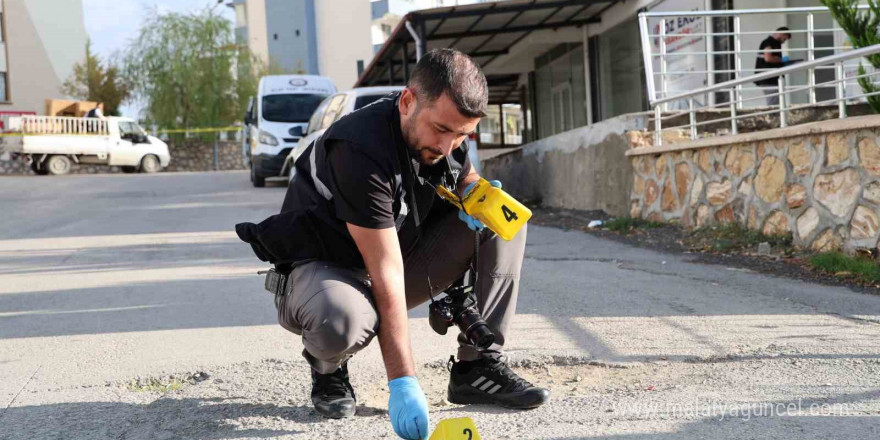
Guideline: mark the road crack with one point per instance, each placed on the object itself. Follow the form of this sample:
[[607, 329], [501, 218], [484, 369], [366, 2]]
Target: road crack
[[19, 391]]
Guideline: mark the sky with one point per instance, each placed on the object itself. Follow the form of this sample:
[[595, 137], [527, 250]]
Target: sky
[[111, 24]]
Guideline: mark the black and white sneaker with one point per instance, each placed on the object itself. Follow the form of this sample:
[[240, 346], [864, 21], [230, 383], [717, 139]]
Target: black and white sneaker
[[491, 381], [332, 394]]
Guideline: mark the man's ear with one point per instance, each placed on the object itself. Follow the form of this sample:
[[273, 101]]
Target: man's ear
[[407, 102]]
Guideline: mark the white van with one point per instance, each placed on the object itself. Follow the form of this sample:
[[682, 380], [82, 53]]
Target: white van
[[277, 118]]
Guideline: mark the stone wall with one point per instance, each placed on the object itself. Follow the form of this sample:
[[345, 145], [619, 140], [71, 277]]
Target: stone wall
[[185, 156], [199, 156], [585, 168], [818, 181]]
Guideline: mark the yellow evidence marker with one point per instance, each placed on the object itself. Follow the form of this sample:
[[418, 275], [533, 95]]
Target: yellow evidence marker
[[456, 429], [496, 209]]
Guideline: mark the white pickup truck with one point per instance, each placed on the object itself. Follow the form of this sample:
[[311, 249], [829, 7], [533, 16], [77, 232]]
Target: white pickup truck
[[52, 144]]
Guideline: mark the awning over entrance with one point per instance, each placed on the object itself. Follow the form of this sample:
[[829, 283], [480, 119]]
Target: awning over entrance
[[488, 32]]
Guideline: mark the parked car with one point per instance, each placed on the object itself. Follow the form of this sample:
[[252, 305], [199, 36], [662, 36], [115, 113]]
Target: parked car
[[276, 120], [340, 104], [52, 144]]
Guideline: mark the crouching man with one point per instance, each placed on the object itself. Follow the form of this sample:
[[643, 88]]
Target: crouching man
[[365, 237]]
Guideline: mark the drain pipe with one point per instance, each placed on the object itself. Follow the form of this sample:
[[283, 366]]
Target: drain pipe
[[416, 38]]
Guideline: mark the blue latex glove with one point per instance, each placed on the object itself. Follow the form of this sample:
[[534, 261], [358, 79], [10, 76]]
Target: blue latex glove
[[470, 221], [408, 408], [785, 58]]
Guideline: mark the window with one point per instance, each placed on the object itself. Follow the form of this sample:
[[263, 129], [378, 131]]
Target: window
[[3, 97], [317, 116], [315, 119], [622, 73], [127, 128], [333, 110], [290, 107], [560, 94], [562, 108]]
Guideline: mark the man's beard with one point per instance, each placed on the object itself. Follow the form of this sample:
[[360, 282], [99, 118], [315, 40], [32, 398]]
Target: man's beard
[[412, 142]]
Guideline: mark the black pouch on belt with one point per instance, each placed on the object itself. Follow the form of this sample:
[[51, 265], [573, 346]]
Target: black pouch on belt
[[276, 282]]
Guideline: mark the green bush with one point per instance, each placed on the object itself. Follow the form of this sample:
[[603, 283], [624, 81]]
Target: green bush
[[836, 263], [731, 236], [861, 26]]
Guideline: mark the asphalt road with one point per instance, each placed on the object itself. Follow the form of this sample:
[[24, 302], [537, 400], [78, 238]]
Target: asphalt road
[[129, 310]]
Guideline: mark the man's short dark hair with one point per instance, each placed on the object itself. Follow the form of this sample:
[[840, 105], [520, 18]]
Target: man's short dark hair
[[784, 30], [454, 73]]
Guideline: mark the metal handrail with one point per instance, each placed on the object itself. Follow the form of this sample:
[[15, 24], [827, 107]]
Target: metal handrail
[[658, 75], [731, 13], [782, 93], [730, 34], [858, 53], [734, 52]]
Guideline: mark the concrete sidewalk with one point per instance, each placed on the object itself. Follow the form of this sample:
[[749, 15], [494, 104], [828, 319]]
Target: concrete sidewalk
[[105, 280]]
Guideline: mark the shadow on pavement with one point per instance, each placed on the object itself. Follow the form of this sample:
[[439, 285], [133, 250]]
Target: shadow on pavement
[[164, 418]]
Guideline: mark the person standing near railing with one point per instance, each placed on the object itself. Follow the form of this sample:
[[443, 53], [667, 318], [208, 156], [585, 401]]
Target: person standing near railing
[[770, 57], [97, 112]]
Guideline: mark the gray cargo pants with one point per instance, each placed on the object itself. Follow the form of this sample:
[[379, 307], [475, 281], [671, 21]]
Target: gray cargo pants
[[332, 307]]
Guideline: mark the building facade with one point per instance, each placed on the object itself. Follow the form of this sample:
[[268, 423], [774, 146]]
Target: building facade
[[40, 42], [386, 14], [326, 37], [571, 64]]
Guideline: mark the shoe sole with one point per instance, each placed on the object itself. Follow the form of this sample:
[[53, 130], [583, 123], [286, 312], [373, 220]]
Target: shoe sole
[[334, 416], [335, 413], [465, 396]]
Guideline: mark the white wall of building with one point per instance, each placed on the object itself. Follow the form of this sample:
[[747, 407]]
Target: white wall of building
[[45, 38], [381, 28], [56, 21], [759, 23], [343, 28], [255, 12]]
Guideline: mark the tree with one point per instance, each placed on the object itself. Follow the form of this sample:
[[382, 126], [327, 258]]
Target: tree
[[189, 72], [93, 80], [862, 28]]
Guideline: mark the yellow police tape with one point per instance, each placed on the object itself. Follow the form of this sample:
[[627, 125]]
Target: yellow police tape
[[174, 130], [201, 130], [462, 428]]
